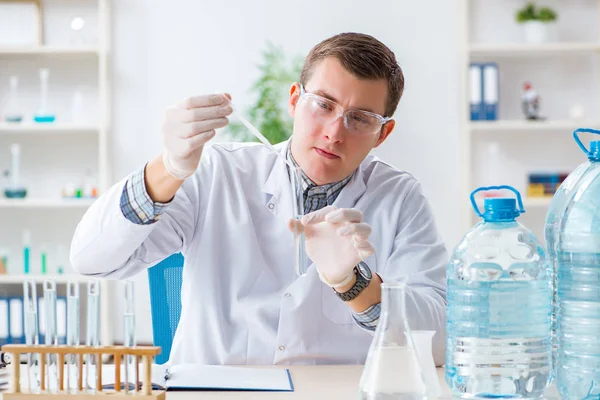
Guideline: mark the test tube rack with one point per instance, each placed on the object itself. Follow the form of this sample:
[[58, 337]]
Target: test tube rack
[[145, 353]]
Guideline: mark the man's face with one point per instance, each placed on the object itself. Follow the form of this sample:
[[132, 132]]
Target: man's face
[[325, 149]]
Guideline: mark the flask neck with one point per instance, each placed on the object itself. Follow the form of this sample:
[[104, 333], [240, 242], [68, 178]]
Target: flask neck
[[393, 320]]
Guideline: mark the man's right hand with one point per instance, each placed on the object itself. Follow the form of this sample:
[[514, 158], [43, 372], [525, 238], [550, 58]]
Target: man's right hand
[[187, 127]]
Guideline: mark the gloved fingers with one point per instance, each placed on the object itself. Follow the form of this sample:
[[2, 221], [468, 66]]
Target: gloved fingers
[[195, 128], [318, 216], [200, 139], [295, 226], [361, 229], [205, 113], [203, 101], [364, 248], [344, 215]]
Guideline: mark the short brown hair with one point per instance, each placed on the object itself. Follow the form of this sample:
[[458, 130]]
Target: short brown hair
[[363, 56]]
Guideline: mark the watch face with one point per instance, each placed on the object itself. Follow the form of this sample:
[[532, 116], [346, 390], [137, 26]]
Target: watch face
[[364, 271]]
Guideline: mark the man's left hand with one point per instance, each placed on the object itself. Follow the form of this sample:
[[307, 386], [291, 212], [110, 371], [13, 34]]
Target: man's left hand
[[336, 240]]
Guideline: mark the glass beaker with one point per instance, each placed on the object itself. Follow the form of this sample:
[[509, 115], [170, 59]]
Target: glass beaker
[[392, 369], [423, 346]]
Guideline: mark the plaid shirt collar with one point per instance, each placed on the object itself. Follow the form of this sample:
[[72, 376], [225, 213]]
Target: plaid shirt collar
[[317, 197]]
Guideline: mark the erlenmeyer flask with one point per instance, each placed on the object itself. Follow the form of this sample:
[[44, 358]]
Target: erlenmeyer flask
[[392, 370]]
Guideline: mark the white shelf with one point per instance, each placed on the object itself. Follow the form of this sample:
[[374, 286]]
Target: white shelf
[[518, 49], [60, 279], [536, 202], [50, 50], [30, 128], [528, 202], [45, 203], [523, 125]]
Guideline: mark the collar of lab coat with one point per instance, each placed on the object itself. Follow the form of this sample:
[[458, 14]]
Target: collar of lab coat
[[348, 197]]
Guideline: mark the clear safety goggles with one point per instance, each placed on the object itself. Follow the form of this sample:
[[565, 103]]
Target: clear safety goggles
[[358, 122]]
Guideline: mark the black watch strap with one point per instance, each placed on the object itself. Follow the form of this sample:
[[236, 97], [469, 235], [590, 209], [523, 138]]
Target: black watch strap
[[361, 283]]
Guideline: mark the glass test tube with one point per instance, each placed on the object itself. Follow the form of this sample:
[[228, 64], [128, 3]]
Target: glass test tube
[[129, 335], [31, 333], [73, 318], [92, 335], [301, 262], [51, 335]]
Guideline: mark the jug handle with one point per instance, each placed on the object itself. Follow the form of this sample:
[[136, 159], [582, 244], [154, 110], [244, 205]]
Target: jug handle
[[485, 188], [576, 133]]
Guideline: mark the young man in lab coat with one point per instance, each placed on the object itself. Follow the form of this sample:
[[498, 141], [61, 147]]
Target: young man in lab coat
[[228, 209]]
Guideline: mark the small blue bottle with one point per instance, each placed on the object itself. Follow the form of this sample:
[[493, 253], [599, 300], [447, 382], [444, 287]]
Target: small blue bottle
[[499, 342], [578, 288]]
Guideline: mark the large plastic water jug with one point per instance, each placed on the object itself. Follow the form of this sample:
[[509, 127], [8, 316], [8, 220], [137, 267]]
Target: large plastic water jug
[[499, 306], [578, 288], [557, 207]]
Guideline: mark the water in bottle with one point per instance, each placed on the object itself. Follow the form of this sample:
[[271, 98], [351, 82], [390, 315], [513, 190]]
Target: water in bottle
[[556, 210], [578, 288], [499, 307]]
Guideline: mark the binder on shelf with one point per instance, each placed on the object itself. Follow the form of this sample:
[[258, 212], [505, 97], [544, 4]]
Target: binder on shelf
[[4, 321], [490, 91], [16, 321], [476, 92]]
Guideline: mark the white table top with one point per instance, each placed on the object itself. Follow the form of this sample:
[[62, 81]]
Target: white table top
[[314, 382]]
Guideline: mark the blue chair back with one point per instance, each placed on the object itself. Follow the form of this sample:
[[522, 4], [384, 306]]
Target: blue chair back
[[165, 302]]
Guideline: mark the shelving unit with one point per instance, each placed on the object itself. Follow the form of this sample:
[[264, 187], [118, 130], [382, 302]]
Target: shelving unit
[[532, 50], [54, 153], [59, 279], [46, 203], [487, 32], [28, 128], [51, 50], [528, 202], [529, 126]]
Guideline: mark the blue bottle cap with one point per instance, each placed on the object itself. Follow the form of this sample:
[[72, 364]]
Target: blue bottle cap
[[594, 153], [500, 209]]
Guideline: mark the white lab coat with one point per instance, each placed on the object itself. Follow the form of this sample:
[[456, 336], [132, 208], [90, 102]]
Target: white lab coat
[[241, 303]]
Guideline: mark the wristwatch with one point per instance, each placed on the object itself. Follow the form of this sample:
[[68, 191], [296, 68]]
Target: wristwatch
[[363, 278], [4, 359]]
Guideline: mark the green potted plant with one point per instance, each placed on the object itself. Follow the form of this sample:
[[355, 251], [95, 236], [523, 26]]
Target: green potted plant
[[538, 22], [269, 112]]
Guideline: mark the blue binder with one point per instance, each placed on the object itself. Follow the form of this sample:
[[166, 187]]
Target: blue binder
[[491, 88], [476, 92], [16, 331], [4, 321]]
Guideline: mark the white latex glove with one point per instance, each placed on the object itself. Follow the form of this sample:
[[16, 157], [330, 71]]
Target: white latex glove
[[336, 240], [187, 127]]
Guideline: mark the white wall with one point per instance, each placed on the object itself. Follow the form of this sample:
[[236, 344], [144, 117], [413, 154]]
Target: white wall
[[172, 49]]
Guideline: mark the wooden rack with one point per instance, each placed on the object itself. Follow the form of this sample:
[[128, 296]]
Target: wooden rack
[[147, 355]]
